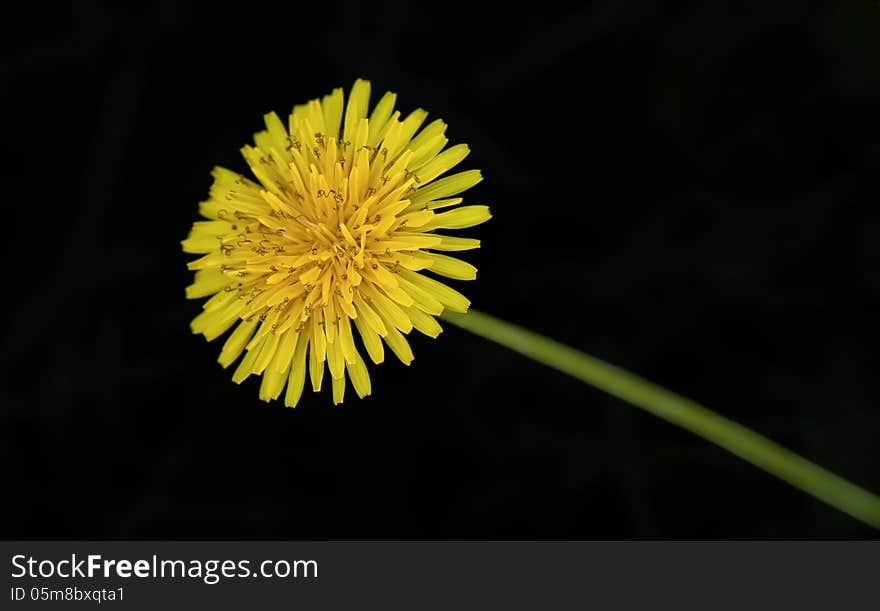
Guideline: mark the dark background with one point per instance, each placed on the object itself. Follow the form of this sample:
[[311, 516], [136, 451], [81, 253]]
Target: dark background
[[687, 190]]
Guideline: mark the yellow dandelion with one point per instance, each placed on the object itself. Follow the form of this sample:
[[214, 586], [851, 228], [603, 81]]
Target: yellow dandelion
[[335, 232]]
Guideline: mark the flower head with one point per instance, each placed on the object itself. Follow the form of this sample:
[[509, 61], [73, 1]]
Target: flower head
[[332, 233]]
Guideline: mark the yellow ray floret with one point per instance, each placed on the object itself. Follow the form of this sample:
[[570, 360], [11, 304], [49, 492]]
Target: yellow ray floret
[[329, 241]]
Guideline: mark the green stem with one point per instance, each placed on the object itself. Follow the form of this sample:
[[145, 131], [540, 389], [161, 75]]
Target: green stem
[[746, 444]]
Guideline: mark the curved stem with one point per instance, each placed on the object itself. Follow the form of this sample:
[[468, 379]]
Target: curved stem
[[743, 442]]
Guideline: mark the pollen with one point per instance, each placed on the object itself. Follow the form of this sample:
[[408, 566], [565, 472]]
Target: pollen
[[331, 244]]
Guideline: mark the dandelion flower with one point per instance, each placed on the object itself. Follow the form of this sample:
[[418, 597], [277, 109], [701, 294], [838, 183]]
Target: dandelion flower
[[334, 232]]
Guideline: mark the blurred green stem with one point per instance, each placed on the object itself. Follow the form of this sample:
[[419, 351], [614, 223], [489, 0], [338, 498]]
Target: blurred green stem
[[746, 444]]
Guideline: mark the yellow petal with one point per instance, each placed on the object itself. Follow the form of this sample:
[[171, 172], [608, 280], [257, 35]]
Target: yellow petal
[[399, 346], [297, 372], [451, 267], [214, 323], [284, 354], [335, 360], [417, 219], [408, 128], [450, 298], [277, 134], [245, 367], [388, 311], [451, 243], [338, 389], [379, 117], [424, 300], [236, 342], [426, 151], [424, 322], [270, 345], [358, 103], [368, 315], [402, 240], [371, 340], [317, 354], [272, 383], [332, 105], [346, 340], [360, 377], [220, 300], [442, 163], [450, 185], [200, 243], [458, 218], [433, 130], [207, 282]]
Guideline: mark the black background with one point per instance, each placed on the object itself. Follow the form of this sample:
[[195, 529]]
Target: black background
[[687, 190]]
